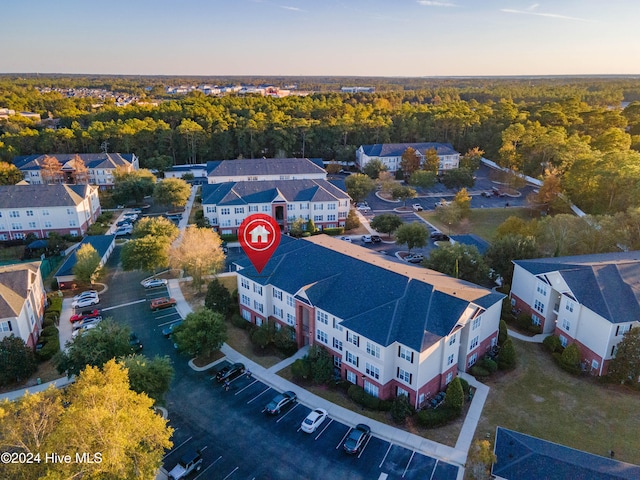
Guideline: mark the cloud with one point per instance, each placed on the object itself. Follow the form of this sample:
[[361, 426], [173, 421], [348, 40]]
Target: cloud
[[429, 3], [293, 9], [531, 11]]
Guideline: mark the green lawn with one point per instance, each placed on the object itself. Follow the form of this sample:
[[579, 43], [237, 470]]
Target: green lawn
[[541, 400], [481, 221]]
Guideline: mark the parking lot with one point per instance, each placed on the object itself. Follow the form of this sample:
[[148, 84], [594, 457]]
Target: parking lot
[[320, 452]]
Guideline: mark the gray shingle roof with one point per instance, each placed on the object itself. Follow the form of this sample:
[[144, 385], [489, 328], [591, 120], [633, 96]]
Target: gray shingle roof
[[607, 284], [382, 300], [91, 160], [522, 457], [14, 285], [397, 149], [41, 196], [243, 193], [471, 239], [100, 242], [263, 166]]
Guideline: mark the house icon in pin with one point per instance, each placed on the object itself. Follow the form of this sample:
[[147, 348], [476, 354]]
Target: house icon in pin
[[259, 234]]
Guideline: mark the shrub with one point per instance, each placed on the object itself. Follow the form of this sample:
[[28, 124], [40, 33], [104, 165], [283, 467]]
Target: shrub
[[454, 399], [535, 329], [217, 298], [50, 348], [431, 418], [570, 359], [48, 322], [507, 356], [334, 231], [55, 305], [489, 365], [301, 368], [553, 344], [465, 386], [238, 321], [284, 341], [503, 333], [54, 284], [401, 409], [261, 337], [523, 321], [229, 238], [371, 402], [478, 371], [322, 368], [51, 331], [356, 394]]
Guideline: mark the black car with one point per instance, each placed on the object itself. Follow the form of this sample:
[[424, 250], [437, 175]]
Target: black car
[[357, 438], [230, 372], [376, 238], [439, 237], [135, 343], [275, 406]]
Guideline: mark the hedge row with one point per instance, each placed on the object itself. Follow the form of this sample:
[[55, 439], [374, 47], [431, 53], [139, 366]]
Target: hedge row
[[431, 418], [358, 395]]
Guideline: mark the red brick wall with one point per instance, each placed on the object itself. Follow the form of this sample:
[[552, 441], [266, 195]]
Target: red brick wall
[[526, 308], [586, 354]]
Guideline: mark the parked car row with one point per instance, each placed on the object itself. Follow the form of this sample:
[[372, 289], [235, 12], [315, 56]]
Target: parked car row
[[85, 299]]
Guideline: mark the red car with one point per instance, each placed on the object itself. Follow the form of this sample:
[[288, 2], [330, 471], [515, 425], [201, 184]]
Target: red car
[[163, 302], [84, 314]]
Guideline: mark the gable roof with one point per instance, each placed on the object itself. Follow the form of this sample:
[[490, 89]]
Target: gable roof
[[397, 149], [101, 243], [37, 196], [15, 281], [607, 284], [522, 457], [382, 300], [263, 166], [243, 193], [471, 239], [91, 160]]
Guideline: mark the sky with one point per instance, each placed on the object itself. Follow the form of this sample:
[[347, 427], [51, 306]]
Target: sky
[[391, 38]]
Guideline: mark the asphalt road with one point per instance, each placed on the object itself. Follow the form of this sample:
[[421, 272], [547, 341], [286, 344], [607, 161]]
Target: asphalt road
[[238, 440]]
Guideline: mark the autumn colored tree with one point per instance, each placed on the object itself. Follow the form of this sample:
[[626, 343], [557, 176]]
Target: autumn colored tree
[[81, 172], [172, 191], [431, 161], [472, 159], [158, 227], [463, 200], [87, 266], [9, 174], [410, 162], [199, 253], [51, 170]]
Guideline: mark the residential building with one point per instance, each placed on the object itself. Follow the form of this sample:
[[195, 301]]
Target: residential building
[[22, 301], [392, 328], [40, 209], [103, 245], [523, 457], [262, 169], [588, 300], [226, 205], [101, 166], [198, 170], [390, 154]]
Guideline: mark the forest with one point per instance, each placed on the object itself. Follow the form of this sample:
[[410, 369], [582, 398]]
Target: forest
[[584, 132]]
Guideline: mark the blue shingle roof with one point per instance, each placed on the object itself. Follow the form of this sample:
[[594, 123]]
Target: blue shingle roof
[[523, 457], [263, 166], [481, 244], [397, 149], [607, 284], [383, 305], [100, 242], [243, 193]]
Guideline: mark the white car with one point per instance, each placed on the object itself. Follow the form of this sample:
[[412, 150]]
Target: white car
[[83, 330], [85, 294], [313, 420], [123, 231], [85, 302], [366, 239], [87, 322], [346, 239], [154, 282], [132, 216], [417, 207]]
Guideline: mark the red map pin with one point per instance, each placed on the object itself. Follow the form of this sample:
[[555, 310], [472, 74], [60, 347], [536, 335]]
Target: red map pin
[[259, 236]]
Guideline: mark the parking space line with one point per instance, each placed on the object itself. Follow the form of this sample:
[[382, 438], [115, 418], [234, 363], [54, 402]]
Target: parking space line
[[165, 316], [383, 476], [169, 322], [365, 446], [212, 464], [173, 450], [322, 431], [409, 463], [345, 436], [385, 455], [433, 472], [244, 388], [265, 391], [290, 410], [232, 472], [123, 305]]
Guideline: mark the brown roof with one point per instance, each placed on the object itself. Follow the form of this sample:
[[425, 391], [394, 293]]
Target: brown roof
[[15, 281]]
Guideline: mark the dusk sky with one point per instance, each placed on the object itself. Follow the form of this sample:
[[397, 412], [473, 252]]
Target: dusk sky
[[322, 37]]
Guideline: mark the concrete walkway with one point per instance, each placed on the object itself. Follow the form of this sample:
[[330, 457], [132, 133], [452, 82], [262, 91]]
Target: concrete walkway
[[539, 338], [60, 382]]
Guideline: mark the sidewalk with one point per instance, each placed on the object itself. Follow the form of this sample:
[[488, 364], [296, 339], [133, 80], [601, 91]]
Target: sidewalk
[[539, 338], [60, 382]]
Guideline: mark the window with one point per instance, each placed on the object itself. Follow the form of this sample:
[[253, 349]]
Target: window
[[331, 206], [244, 283], [277, 294], [246, 314], [16, 226], [225, 211], [337, 361], [371, 389], [238, 210], [290, 301], [29, 213], [405, 353], [352, 338], [257, 288], [373, 349], [6, 326], [331, 218], [284, 177], [322, 317], [622, 329], [594, 365], [450, 359], [73, 223], [404, 375], [226, 223], [476, 323], [569, 306], [304, 206], [372, 371], [472, 359], [257, 306], [452, 340], [266, 208], [32, 224], [535, 320], [342, 214], [351, 358], [211, 209], [291, 320], [539, 306], [47, 224], [318, 206], [351, 377], [245, 300], [402, 392], [563, 340], [541, 289], [322, 336], [474, 343], [337, 344], [566, 324], [317, 218], [278, 312], [14, 214], [449, 378], [253, 208], [337, 325], [69, 211]]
